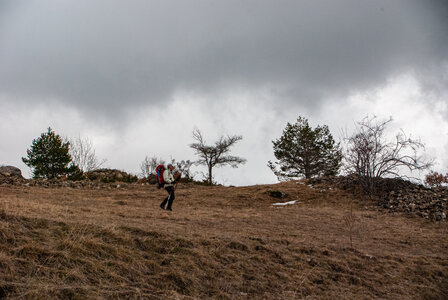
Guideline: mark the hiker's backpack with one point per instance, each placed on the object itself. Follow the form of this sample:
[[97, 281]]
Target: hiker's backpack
[[159, 176]]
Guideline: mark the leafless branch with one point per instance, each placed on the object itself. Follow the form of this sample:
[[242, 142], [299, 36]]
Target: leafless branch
[[216, 155], [83, 154], [149, 165], [369, 155]]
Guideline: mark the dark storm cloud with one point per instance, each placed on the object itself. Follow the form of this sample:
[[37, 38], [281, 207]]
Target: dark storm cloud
[[106, 55]]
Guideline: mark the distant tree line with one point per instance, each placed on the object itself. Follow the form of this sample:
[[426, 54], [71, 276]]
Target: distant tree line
[[304, 152], [301, 152]]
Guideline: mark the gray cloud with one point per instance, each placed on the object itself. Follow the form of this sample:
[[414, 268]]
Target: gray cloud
[[102, 56]]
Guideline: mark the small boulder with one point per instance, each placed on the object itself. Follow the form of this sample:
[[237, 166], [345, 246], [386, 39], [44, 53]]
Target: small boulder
[[276, 194], [10, 171]]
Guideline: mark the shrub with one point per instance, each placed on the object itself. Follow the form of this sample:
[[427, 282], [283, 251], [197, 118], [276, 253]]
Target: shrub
[[435, 179]]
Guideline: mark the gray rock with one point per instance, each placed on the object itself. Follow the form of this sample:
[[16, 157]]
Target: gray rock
[[277, 194], [10, 171]]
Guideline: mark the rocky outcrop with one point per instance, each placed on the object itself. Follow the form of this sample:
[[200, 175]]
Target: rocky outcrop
[[398, 195], [110, 175], [103, 178], [10, 171], [11, 175], [419, 200], [11, 180]]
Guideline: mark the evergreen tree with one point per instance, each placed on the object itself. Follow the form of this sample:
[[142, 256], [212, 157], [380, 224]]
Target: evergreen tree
[[49, 157], [306, 152]]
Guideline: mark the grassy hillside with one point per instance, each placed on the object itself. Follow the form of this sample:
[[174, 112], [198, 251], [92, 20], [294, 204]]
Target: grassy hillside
[[218, 242]]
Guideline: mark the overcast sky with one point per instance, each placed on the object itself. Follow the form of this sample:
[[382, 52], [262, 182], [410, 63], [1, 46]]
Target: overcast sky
[[137, 77]]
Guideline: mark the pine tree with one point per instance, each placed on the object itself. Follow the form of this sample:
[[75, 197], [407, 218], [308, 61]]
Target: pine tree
[[306, 152], [49, 156]]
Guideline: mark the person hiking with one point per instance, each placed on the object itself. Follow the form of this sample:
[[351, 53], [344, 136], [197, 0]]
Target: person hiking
[[169, 180]]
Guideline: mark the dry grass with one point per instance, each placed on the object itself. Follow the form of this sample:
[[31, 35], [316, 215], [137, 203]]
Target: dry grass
[[219, 242]]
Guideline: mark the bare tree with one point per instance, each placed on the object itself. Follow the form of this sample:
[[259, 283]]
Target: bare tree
[[149, 165], [216, 155], [184, 167], [83, 154], [370, 156]]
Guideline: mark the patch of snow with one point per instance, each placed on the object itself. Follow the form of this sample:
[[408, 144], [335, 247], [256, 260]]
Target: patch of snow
[[285, 203]]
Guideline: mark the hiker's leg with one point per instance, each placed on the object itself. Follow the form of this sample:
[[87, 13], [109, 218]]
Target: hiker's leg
[[170, 198], [162, 205]]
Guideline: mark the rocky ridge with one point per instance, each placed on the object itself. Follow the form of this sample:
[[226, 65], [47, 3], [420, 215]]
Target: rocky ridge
[[103, 178], [110, 175], [398, 195], [420, 201]]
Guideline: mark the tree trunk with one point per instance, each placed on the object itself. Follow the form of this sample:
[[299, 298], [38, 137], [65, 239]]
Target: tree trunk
[[307, 167], [210, 177]]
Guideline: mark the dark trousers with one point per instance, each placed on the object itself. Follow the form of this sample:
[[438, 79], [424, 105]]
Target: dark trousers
[[169, 199]]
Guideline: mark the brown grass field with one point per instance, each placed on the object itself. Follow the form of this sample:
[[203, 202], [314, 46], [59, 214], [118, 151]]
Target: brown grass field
[[217, 243]]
